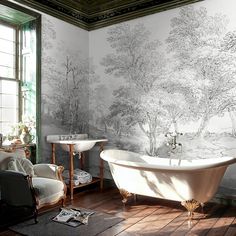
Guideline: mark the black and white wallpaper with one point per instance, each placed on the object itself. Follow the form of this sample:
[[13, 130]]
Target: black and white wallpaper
[[65, 82], [174, 71], [137, 81]]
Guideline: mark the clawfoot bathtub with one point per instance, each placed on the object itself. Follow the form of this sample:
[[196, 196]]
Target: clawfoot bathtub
[[192, 182]]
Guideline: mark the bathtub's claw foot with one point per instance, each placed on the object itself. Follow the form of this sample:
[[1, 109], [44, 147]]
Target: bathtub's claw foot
[[202, 206], [125, 194], [203, 212], [190, 205]]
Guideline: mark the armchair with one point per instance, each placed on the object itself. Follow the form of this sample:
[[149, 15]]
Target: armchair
[[33, 186], [48, 184]]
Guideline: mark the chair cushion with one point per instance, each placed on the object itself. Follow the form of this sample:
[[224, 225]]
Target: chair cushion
[[48, 190], [46, 170]]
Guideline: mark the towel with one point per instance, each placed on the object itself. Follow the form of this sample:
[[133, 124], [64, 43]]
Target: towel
[[80, 177]]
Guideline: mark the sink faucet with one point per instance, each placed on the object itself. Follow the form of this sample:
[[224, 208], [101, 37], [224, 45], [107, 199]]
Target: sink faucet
[[172, 139]]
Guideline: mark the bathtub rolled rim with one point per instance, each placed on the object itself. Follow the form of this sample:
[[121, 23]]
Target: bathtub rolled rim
[[167, 163]]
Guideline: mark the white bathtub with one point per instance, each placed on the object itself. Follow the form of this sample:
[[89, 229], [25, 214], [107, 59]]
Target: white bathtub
[[191, 182]]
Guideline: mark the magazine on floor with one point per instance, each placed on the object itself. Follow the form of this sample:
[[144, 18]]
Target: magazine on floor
[[73, 216]]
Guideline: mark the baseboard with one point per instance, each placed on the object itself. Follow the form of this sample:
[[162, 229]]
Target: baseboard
[[225, 196]]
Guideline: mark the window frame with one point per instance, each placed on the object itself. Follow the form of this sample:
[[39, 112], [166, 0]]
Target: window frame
[[37, 17], [17, 73]]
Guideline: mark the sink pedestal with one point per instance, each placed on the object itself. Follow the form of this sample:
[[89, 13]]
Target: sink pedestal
[[71, 185]]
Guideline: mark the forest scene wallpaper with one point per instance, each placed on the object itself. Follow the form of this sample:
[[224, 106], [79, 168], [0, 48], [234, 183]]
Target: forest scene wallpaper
[[65, 83], [181, 86], [177, 78], [142, 80]]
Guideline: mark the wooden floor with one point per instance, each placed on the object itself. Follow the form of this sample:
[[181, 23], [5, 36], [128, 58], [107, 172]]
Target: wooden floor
[[149, 216]]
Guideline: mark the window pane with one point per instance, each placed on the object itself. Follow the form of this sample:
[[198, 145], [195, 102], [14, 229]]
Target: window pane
[[5, 127], [8, 87], [7, 51], [7, 72], [7, 32], [8, 105], [10, 101], [7, 46], [9, 115], [7, 60]]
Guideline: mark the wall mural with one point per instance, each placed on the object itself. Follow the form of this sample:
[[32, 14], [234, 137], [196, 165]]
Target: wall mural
[[185, 84], [145, 83], [67, 103], [65, 83]]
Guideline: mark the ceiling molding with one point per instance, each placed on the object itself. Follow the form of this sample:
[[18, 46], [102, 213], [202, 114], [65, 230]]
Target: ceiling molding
[[94, 14]]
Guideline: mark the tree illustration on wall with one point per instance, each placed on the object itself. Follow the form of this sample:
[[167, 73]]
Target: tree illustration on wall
[[65, 79], [72, 94], [196, 82], [49, 69], [229, 46], [177, 99], [69, 84], [195, 41], [97, 104], [138, 61]]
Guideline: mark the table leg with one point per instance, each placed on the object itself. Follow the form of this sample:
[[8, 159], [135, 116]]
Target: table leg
[[82, 160], [71, 170], [53, 154], [27, 152], [101, 167]]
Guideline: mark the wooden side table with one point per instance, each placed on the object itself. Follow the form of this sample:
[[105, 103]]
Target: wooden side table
[[29, 149]]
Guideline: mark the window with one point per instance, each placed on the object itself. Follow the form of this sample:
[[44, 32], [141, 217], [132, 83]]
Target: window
[[20, 70], [17, 75], [9, 82]]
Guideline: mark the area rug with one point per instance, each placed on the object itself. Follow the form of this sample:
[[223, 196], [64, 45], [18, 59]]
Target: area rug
[[98, 223]]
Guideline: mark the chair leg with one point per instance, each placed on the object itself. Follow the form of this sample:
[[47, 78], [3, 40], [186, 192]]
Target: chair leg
[[63, 202], [36, 216]]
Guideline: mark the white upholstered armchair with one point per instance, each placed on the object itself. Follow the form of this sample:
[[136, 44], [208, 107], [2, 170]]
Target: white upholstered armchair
[[43, 183], [48, 184]]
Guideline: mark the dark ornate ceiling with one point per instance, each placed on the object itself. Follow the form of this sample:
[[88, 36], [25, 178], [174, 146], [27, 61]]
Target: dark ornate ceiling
[[93, 14]]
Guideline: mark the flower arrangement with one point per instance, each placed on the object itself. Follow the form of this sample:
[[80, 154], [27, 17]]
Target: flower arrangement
[[27, 125], [18, 130], [20, 127]]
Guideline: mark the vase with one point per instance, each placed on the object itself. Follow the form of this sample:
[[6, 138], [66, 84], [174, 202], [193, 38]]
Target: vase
[[26, 137]]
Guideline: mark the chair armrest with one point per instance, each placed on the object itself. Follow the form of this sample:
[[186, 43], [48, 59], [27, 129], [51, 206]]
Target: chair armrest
[[50, 171]]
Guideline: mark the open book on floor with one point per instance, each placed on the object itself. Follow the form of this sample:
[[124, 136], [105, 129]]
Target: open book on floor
[[73, 216]]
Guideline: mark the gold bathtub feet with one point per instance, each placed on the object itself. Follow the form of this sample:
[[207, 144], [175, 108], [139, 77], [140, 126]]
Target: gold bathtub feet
[[190, 205], [125, 194]]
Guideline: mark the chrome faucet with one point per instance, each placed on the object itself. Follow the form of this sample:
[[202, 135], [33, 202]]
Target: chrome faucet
[[172, 139]]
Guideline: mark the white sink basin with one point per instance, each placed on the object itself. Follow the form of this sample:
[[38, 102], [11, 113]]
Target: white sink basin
[[80, 142], [79, 145]]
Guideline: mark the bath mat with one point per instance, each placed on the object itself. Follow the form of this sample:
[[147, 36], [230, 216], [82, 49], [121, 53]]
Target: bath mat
[[98, 222]]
